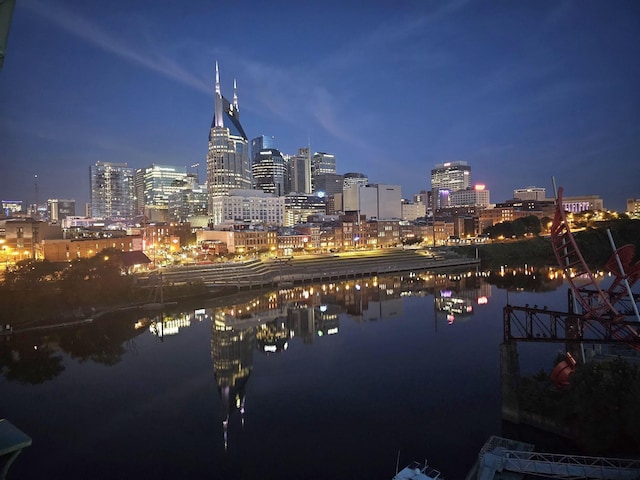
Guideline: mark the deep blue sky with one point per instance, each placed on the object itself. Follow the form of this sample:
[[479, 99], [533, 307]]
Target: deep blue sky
[[522, 90]]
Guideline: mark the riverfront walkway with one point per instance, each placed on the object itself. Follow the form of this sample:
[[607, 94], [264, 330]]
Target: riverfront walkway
[[312, 268]]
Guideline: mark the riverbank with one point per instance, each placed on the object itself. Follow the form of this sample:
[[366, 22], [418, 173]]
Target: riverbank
[[219, 281]]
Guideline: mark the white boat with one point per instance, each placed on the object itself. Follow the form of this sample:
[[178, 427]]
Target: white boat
[[418, 471]]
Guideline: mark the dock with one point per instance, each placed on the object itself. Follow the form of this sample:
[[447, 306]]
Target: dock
[[12, 441]]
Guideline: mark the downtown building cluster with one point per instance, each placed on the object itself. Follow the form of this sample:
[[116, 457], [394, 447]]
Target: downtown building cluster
[[256, 198]]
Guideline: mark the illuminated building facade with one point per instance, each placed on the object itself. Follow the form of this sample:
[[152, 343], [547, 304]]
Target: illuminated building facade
[[11, 207], [477, 196], [530, 193], [188, 203], [263, 142], [583, 203], [447, 178], [228, 165], [322, 164], [158, 183], [299, 207], [112, 190], [251, 206], [270, 173], [241, 240], [59, 209], [66, 250]]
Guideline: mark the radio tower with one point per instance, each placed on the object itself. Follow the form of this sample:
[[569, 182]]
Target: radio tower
[[35, 186]]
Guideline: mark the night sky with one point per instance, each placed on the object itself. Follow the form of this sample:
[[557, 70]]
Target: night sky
[[521, 90]]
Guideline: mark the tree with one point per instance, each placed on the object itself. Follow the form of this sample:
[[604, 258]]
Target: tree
[[602, 404], [29, 275]]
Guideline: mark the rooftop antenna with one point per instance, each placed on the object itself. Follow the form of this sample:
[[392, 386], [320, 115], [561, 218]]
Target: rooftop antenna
[[35, 186]]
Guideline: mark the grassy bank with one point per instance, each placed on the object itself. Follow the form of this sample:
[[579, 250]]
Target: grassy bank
[[593, 243], [532, 251]]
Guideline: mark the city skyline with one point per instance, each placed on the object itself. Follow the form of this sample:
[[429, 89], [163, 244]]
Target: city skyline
[[521, 92]]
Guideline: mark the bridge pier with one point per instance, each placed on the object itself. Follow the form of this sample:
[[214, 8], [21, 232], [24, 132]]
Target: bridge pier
[[510, 381]]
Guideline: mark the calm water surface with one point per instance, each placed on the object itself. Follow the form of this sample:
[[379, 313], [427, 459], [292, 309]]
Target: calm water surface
[[333, 381]]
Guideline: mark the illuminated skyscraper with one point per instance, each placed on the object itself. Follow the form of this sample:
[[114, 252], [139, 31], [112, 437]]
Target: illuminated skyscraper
[[112, 191], [263, 142], [321, 163], [447, 178], [270, 173], [158, 183], [228, 165]]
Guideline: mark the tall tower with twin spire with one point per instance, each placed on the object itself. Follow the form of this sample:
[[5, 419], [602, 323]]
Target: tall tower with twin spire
[[228, 165]]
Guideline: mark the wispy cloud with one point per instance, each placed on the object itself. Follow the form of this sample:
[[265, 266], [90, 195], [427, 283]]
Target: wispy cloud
[[82, 28], [295, 93]]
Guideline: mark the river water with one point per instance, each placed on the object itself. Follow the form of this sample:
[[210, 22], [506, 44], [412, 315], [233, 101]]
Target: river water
[[336, 381]]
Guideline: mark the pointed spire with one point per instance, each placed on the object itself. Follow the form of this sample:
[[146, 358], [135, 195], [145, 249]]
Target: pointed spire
[[235, 96], [217, 114], [217, 79]]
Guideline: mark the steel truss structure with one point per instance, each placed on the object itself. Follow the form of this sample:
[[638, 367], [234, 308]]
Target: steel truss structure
[[533, 324]]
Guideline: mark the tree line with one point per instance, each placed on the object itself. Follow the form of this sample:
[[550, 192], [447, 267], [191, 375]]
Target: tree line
[[40, 289]]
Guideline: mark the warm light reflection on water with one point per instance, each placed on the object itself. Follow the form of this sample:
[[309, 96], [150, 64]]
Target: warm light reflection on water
[[335, 377]]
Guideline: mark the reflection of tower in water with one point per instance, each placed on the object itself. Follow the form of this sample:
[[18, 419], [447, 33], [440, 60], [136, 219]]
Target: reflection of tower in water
[[232, 353]]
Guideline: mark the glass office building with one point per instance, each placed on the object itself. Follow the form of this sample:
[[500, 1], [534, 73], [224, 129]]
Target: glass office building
[[112, 190], [228, 165]]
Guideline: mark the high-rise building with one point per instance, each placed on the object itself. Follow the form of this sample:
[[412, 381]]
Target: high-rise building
[[447, 178], [328, 184], [112, 190], [633, 207], [300, 171], [188, 203], [60, 209], [321, 163], [270, 173], [263, 142], [228, 165], [155, 184]]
